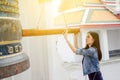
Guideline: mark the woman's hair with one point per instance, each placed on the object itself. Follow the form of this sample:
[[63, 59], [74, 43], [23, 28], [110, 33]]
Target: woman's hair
[[96, 44]]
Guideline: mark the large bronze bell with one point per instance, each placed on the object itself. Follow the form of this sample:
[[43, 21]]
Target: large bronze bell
[[12, 58]]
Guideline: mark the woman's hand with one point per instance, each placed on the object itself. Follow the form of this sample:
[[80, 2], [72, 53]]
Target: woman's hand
[[68, 42]]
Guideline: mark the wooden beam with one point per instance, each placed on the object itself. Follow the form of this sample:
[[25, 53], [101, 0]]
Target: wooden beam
[[43, 32], [55, 31]]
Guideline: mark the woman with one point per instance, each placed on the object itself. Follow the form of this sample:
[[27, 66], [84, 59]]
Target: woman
[[91, 55]]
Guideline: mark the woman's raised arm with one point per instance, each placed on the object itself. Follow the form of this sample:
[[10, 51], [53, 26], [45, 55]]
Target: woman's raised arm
[[73, 48]]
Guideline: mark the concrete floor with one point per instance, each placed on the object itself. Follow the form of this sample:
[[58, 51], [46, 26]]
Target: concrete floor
[[111, 69]]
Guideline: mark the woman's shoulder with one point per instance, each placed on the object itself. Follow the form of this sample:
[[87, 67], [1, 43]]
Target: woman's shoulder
[[92, 48]]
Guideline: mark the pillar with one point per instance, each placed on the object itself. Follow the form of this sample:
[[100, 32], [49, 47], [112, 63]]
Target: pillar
[[83, 37], [104, 44]]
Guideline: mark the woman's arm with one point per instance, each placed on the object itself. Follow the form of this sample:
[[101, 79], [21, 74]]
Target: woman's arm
[[74, 49], [89, 52]]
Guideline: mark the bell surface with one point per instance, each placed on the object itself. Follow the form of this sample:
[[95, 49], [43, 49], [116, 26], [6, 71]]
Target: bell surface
[[12, 58]]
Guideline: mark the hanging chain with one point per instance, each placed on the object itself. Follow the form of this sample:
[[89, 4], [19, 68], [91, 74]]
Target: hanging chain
[[40, 17]]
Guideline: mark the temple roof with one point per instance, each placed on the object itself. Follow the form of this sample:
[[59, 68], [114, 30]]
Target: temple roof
[[86, 12]]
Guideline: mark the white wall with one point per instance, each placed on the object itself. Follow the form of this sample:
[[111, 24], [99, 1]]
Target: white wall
[[114, 39]]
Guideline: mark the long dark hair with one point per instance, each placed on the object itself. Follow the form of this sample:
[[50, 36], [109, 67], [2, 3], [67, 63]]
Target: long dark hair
[[96, 44]]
